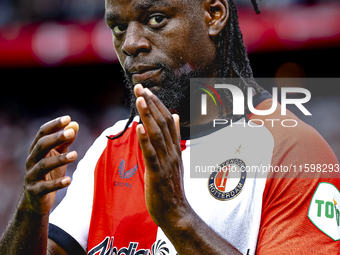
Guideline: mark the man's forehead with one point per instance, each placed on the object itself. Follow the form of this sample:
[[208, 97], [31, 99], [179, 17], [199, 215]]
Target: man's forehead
[[140, 5]]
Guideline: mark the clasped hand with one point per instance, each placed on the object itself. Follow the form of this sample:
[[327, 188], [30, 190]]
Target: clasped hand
[[159, 138]]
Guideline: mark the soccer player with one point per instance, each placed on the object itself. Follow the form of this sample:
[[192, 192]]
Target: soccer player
[[132, 193]]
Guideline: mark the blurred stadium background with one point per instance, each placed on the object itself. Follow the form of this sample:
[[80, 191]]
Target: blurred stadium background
[[57, 58]]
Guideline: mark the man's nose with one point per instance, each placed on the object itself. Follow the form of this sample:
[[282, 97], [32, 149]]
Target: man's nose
[[135, 40]]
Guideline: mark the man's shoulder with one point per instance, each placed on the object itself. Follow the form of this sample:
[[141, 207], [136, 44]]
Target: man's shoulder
[[288, 130]]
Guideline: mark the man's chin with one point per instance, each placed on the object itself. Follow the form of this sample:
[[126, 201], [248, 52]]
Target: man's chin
[[155, 89], [170, 88]]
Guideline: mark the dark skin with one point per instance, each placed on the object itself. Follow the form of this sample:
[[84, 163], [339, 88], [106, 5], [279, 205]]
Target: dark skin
[[159, 138], [173, 32], [45, 174], [145, 37]]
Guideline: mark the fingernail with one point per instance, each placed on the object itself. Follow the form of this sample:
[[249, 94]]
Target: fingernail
[[141, 129], [66, 181], [64, 120], [148, 92], [142, 102], [140, 89], [71, 155], [69, 133]]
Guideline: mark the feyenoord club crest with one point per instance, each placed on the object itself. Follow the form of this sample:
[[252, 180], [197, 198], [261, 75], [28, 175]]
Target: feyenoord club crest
[[227, 182]]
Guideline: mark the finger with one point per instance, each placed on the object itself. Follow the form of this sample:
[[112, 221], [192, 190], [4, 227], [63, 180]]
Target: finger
[[46, 165], [149, 152], [177, 137], [42, 188], [166, 114], [155, 134], [47, 143], [64, 147], [163, 119], [138, 90], [177, 126], [49, 128]]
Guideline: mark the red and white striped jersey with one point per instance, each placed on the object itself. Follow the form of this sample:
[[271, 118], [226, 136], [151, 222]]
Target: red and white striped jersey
[[275, 212]]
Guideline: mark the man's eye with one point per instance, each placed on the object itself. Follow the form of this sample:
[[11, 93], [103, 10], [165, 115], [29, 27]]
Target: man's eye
[[156, 20], [119, 29]]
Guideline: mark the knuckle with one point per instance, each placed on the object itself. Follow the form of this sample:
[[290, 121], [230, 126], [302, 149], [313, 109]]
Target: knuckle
[[152, 154], [58, 136], [147, 98], [163, 151], [39, 144], [169, 119], [162, 122], [41, 131], [147, 114], [41, 165], [144, 138], [61, 158], [177, 159], [157, 136], [31, 189], [40, 189], [56, 183], [155, 99]]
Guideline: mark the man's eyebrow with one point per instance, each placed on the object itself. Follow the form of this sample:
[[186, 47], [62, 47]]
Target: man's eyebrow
[[145, 5], [110, 16], [149, 3]]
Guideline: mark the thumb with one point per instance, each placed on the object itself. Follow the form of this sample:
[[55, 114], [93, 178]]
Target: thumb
[[63, 148]]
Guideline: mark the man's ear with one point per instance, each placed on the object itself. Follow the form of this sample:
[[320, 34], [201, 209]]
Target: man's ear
[[218, 15]]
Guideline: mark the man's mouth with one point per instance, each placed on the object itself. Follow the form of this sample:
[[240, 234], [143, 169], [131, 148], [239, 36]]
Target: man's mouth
[[144, 73]]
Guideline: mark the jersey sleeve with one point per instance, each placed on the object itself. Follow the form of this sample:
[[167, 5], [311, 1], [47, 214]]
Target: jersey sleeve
[[70, 221], [300, 211], [286, 225]]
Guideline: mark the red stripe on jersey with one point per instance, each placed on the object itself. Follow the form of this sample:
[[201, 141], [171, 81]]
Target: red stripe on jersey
[[119, 208], [183, 145]]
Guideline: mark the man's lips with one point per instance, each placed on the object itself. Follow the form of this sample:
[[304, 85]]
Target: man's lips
[[145, 74]]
